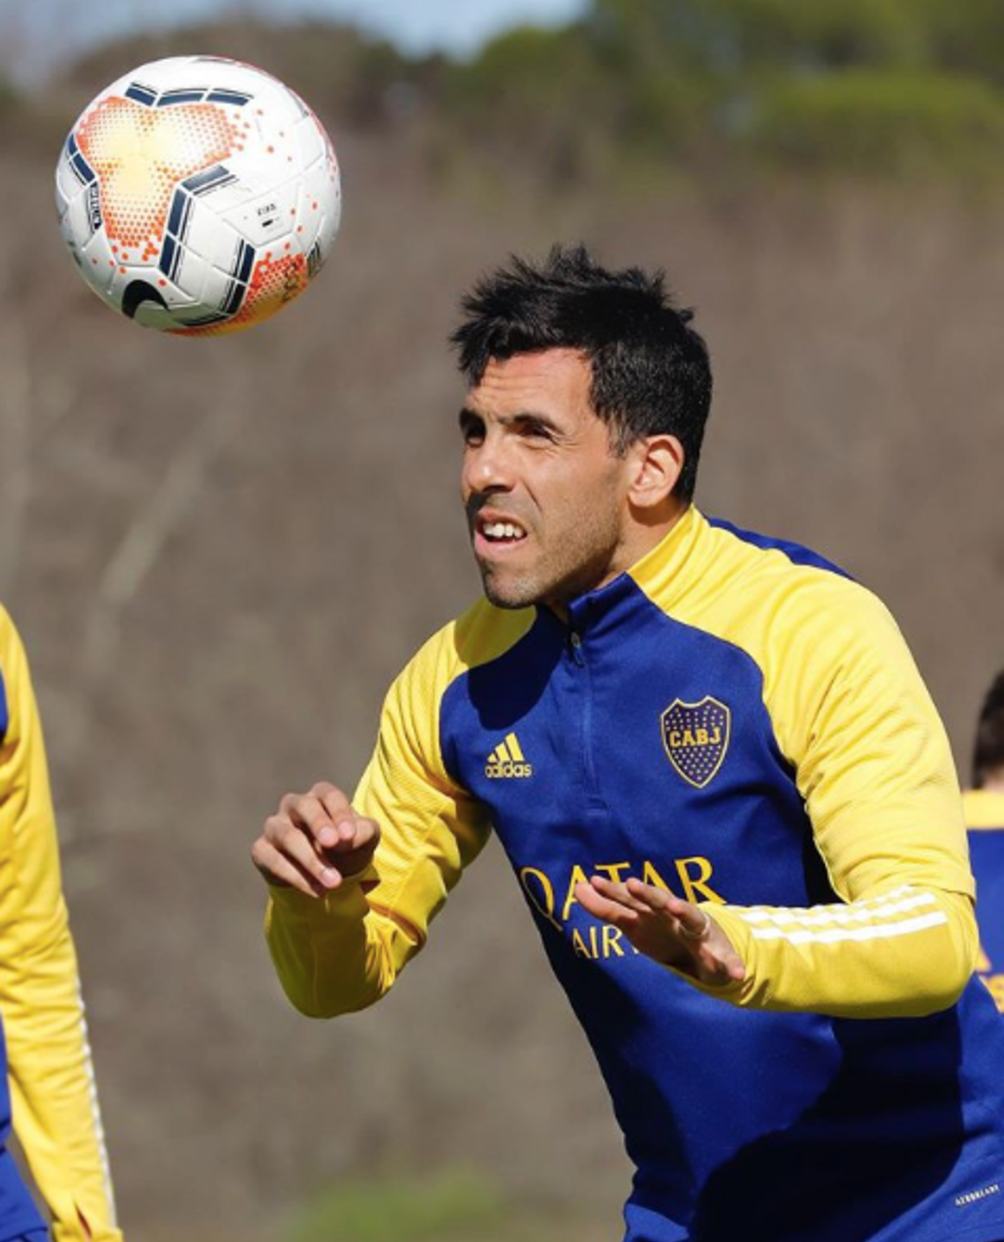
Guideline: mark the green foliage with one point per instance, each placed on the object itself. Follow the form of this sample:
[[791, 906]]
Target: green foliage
[[514, 80], [8, 96], [883, 87], [965, 36], [872, 121], [532, 92], [732, 36], [886, 88], [448, 1206]]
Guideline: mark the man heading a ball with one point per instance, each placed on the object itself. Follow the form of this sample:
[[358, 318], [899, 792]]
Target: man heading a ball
[[722, 786]]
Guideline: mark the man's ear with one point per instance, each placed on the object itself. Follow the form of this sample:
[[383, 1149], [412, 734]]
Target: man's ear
[[656, 464]]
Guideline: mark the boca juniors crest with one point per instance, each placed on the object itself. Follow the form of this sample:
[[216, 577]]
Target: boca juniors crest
[[695, 737]]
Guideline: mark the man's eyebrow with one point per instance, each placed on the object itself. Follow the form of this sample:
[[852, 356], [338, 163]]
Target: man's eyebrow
[[531, 416], [467, 416]]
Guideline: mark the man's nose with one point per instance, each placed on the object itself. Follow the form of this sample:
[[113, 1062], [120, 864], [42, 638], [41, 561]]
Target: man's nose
[[488, 468]]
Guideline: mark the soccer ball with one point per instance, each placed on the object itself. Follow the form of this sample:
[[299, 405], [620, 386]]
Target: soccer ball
[[198, 195]]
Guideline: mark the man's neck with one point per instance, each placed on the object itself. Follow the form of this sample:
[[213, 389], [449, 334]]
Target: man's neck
[[642, 536], [644, 531]]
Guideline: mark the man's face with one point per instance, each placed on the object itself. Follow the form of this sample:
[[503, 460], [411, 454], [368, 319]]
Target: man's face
[[545, 494]]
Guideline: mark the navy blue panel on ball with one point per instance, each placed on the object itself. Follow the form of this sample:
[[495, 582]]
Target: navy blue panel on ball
[[141, 94]]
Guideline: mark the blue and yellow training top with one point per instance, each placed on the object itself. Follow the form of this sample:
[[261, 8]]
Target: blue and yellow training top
[[984, 813], [45, 1062], [738, 721]]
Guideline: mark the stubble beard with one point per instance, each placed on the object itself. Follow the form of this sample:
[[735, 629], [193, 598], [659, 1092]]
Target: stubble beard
[[520, 592]]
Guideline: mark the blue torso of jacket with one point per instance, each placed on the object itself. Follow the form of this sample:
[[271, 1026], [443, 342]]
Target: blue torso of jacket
[[628, 743]]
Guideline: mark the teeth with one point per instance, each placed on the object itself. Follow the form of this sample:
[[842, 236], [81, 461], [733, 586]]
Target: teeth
[[503, 530]]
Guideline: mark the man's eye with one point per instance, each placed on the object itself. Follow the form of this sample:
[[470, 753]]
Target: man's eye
[[473, 433], [536, 431]]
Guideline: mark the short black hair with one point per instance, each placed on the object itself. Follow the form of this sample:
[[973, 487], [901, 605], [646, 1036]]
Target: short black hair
[[650, 370], [988, 753]]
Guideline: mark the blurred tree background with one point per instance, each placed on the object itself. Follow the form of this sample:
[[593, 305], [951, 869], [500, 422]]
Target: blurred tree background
[[884, 88], [220, 553], [878, 87]]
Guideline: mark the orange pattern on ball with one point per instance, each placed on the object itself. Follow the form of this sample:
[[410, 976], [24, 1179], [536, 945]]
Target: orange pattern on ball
[[274, 282], [140, 154]]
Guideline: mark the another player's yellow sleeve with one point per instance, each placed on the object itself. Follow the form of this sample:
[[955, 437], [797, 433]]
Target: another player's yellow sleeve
[[53, 1094], [342, 952], [873, 764]]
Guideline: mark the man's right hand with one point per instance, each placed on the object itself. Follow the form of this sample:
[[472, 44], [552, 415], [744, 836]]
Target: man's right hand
[[314, 841]]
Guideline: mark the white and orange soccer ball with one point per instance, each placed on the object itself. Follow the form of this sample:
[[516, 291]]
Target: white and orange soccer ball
[[198, 195]]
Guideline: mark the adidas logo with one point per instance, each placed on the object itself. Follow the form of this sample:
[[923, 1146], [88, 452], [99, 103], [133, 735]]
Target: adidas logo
[[507, 760]]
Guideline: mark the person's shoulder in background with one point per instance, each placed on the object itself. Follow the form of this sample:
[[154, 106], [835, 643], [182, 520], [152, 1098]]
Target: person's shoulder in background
[[983, 807]]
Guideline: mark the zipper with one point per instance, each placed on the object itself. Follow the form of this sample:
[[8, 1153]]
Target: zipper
[[579, 659]]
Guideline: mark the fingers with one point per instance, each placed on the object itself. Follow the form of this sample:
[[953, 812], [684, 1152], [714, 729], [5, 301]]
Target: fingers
[[277, 869], [326, 814], [339, 811], [286, 840], [314, 841], [626, 895], [603, 907], [692, 918], [693, 922], [666, 928], [321, 812], [356, 835]]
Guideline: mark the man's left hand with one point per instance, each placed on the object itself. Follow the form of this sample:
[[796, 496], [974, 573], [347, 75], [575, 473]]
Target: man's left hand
[[673, 932]]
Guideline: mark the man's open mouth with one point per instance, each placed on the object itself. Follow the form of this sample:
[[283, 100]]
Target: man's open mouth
[[499, 531]]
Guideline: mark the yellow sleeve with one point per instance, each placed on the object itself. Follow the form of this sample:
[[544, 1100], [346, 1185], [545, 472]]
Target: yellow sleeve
[[874, 767], [342, 952], [53, 1094]]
